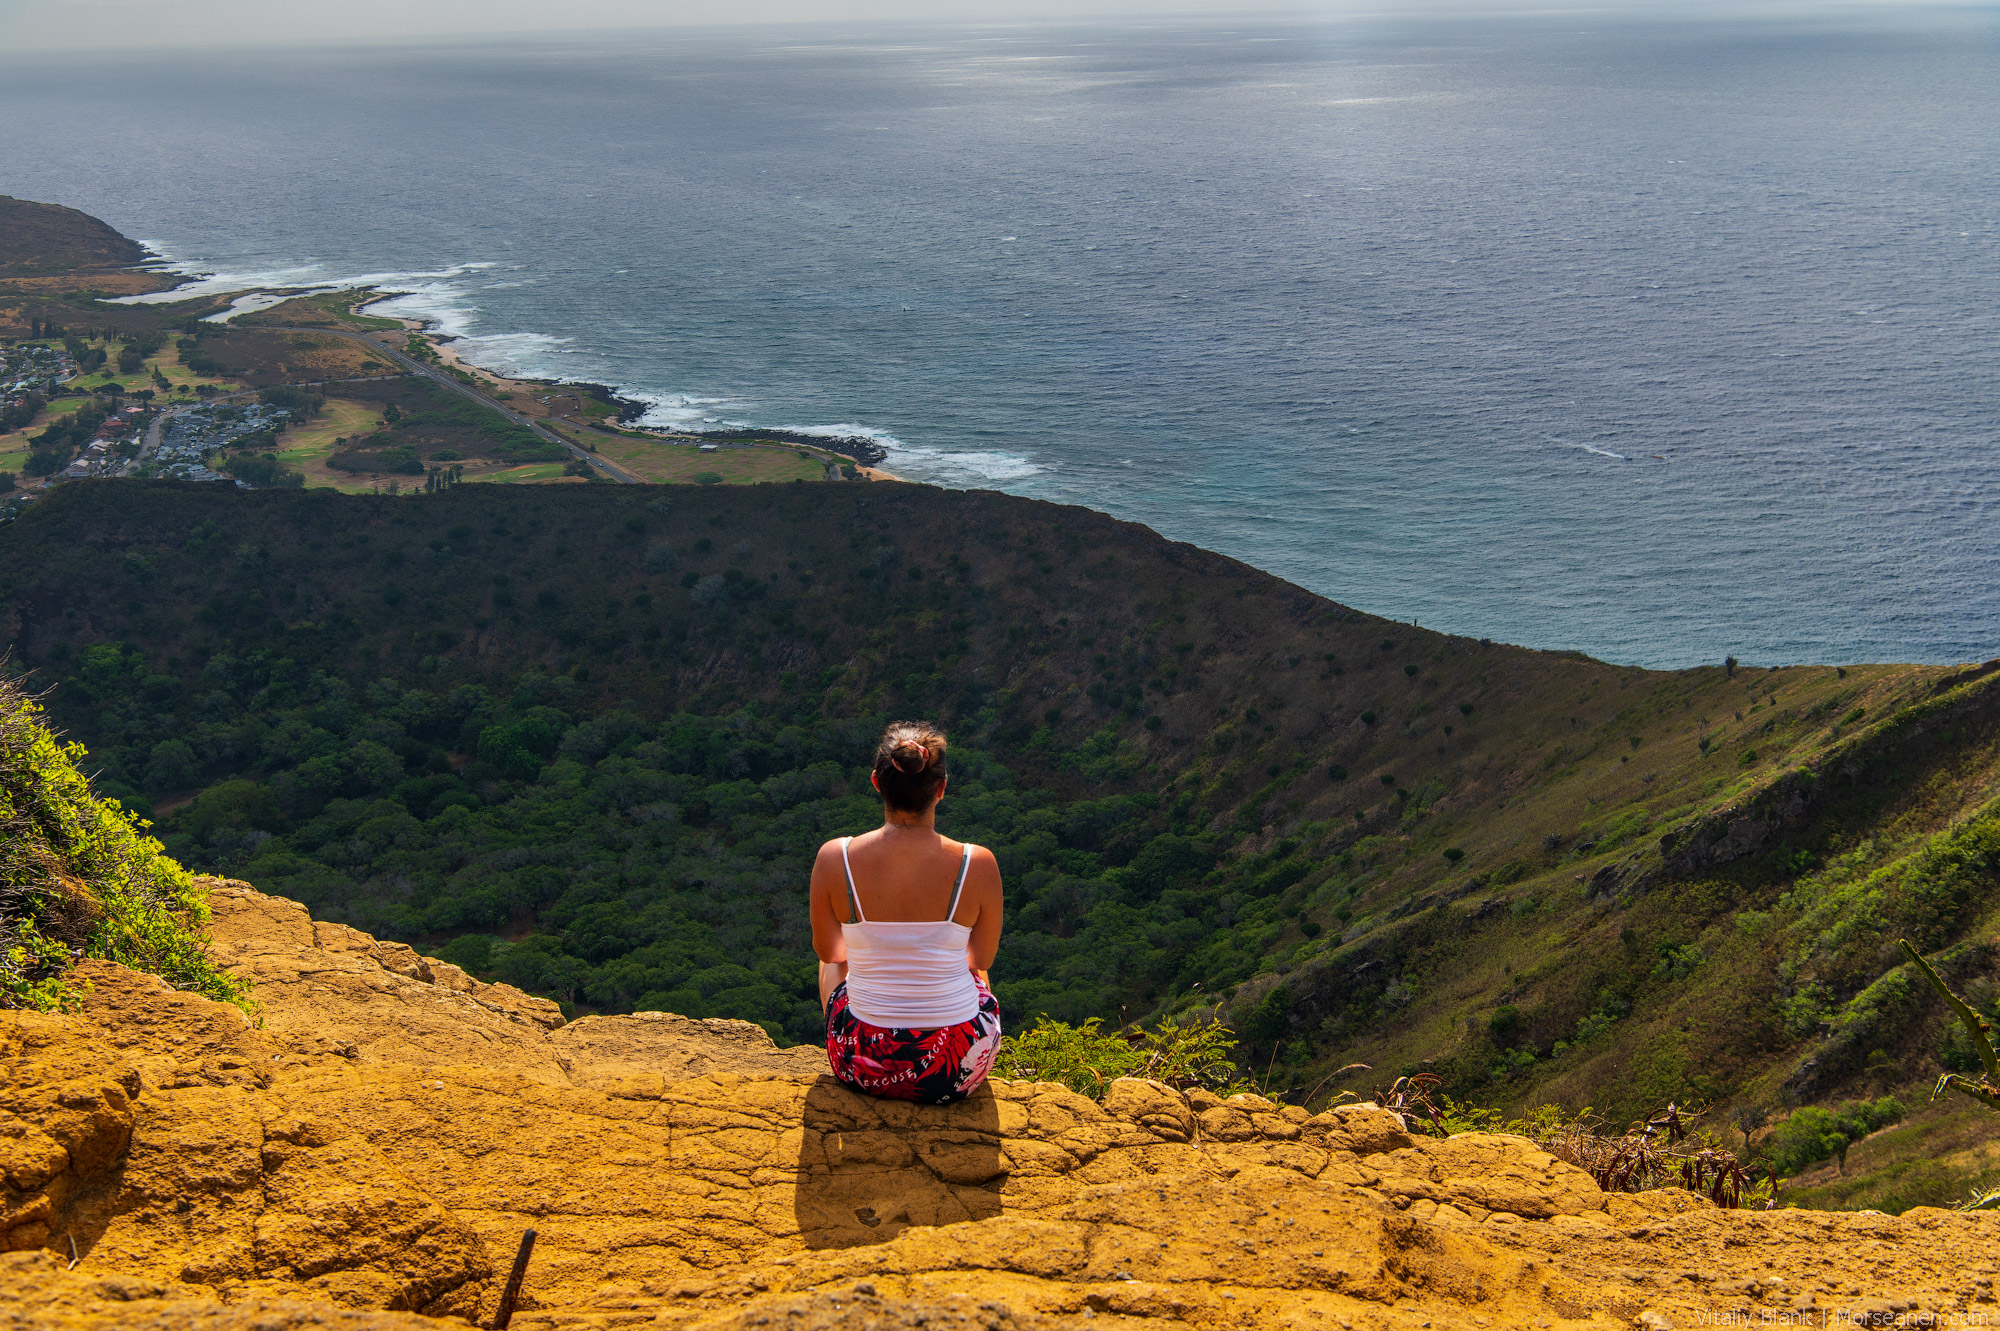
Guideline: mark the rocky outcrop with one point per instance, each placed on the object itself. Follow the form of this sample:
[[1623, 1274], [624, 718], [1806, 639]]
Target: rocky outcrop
[[1766, 815], [371, 1155]]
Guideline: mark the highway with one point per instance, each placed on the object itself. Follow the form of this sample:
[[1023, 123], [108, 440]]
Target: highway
[[610, 469]]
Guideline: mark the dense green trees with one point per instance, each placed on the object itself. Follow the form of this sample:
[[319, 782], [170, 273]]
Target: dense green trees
[[263, 469], [619, 863], [22, 411], [50, 450], [1811, 1134]]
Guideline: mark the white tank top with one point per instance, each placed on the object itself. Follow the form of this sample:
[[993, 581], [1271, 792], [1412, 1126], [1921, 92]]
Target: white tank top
[[909, 973]]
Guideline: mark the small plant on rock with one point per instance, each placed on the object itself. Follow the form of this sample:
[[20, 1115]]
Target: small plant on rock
[[80, 878]]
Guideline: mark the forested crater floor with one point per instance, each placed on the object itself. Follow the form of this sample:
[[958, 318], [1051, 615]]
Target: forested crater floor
[[370, 1154], [584, 740]]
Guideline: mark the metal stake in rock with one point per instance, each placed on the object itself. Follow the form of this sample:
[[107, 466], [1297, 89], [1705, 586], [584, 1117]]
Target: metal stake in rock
[[513, 1290]]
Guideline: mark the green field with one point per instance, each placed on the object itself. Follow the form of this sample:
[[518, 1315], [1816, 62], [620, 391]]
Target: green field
[[14, 446], [307, 446], [656, 460], [533, 471], [322, 309]]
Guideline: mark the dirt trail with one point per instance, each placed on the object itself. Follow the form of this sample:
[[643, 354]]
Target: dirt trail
[[379, 1144]]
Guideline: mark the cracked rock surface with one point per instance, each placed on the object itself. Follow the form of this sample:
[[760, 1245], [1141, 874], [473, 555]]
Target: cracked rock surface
[[370, 1156]]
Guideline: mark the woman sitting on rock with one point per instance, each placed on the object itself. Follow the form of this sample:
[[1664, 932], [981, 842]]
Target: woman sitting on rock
[[906, 923]]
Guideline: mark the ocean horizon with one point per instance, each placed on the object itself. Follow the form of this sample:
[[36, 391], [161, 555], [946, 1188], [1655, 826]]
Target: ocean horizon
[[1657, 339]]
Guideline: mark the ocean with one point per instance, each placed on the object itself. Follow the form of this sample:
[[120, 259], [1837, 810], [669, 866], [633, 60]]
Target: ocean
[[1656, 338]]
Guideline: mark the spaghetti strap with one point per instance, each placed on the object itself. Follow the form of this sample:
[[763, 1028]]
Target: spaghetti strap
[[958, 888], [853, 901]]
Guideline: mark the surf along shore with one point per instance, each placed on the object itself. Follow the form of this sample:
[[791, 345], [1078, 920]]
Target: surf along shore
[[131, 334]]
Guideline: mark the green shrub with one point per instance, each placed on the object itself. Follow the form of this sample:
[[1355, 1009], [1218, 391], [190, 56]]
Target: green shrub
[[1813, 1134], [79, 878], [264, 469], [1183, 1052], [401, 460]]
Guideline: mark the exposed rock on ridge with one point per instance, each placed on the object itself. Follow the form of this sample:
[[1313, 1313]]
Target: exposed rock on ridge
[[381, 1142]]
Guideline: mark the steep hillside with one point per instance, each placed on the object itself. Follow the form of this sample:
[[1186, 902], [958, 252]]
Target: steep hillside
[[38, 238], [585, 740], [370, 1156]]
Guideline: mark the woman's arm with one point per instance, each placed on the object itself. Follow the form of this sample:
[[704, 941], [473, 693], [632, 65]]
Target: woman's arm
[[829, 884], [982, 888]]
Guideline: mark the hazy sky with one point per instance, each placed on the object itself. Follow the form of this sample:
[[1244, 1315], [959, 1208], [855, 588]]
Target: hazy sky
[[44, 25], [77, 24]]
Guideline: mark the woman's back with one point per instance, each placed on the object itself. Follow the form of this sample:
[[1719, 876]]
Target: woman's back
[[906, 950]]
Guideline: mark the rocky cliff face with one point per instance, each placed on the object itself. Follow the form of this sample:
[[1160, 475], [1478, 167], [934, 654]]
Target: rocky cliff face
[[370, 1155]]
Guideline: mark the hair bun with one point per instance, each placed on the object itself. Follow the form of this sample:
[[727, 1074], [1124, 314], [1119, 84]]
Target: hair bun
[[911, 757]]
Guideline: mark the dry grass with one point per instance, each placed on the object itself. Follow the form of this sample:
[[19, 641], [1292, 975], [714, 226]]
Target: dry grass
[[1662, 1151], [1936, 1157], [681, 463], [308, 446]]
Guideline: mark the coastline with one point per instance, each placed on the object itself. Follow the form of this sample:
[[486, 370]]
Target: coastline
[[862, 454], [248, 304]]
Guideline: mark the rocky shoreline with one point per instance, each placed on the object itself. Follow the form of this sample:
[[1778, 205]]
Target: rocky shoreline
[[864, 450], [860, 447]]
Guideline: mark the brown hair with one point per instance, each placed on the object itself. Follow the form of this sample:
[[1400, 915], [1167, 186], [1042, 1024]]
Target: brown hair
[[909, 765]]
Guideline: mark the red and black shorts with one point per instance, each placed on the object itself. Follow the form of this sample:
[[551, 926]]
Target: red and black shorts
[[931, 1067]]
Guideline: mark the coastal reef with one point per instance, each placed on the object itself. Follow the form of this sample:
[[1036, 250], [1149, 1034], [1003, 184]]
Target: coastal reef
[[368, 1154]]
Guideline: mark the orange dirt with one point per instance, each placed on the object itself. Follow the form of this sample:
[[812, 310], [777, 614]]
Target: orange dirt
[[369, 1156]]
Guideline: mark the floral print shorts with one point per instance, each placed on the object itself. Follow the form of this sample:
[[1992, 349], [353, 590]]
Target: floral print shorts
[[931, 1067]]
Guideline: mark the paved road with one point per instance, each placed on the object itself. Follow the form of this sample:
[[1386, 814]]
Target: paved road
[[435, 375]]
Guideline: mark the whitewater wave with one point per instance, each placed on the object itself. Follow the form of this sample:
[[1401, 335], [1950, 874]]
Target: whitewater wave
[[971, 468], [308, 276], [431, 297], [681, 412], [516, 355], [882, 437]]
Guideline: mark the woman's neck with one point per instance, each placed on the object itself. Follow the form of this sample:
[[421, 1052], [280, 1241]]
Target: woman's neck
[[895, 820]]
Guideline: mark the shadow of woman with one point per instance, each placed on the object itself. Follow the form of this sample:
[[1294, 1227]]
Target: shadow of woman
[[869, 1169]]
